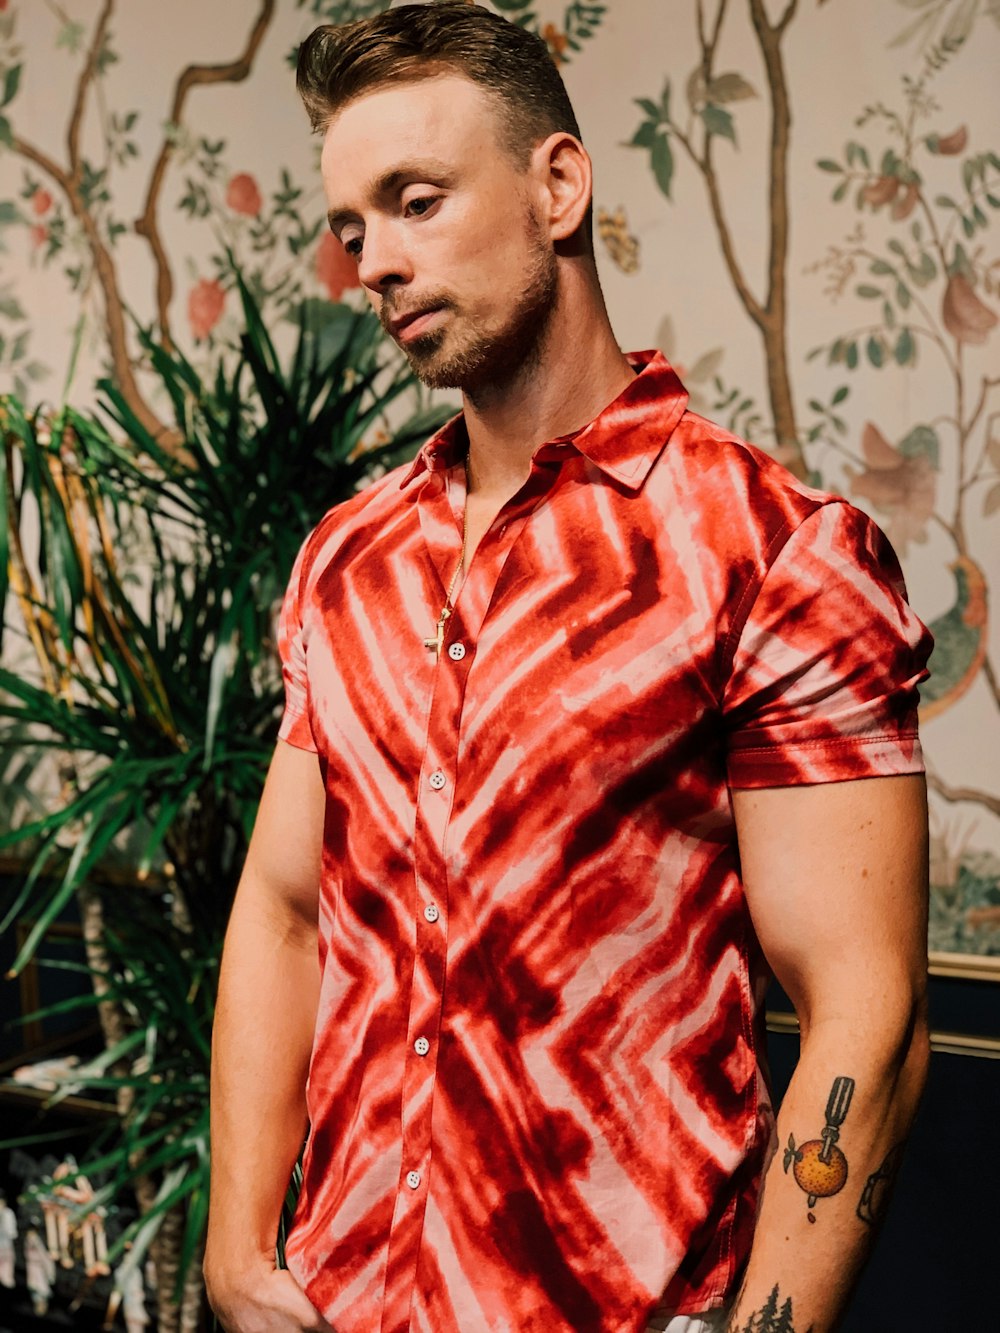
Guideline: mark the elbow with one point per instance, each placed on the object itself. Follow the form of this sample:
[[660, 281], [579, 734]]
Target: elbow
[[901, 1049], [914, 1055], [887, 1032]]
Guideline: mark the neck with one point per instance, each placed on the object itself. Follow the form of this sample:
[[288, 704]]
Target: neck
[[579, 370]]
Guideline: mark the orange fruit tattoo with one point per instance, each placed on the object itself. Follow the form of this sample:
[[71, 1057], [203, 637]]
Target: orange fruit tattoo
[[817, 1178]]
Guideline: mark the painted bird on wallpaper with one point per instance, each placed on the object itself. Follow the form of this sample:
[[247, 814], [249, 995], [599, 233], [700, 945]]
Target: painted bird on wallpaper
[[959, 642]]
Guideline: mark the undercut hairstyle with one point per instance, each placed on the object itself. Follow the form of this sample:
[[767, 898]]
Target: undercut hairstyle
[[339, 63]]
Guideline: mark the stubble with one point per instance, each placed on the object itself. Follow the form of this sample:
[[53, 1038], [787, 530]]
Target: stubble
[[483, 364]]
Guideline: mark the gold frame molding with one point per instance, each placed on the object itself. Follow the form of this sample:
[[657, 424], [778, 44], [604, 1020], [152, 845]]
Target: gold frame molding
[[947, 1043], [967, 966]]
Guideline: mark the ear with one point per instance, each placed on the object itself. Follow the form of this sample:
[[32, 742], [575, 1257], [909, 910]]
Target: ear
[[563, 170]]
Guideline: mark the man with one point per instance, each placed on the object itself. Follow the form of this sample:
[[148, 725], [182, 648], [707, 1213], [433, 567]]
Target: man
[[593, 715]]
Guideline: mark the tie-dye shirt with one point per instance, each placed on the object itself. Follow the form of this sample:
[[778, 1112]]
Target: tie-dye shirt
[[538, 1091]]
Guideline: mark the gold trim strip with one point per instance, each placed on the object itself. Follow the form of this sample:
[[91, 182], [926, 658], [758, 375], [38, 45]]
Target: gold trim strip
[[968, 966], [948, 1043]]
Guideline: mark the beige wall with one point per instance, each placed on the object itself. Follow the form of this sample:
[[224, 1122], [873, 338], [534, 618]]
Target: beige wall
[[918, 439]]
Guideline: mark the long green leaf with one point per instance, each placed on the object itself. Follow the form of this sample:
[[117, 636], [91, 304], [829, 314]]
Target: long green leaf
[[5, 483], [94, 841], [176, 689], [142, 1233]]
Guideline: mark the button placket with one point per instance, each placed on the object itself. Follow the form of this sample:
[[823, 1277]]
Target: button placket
[[437, 789], [435, 792]]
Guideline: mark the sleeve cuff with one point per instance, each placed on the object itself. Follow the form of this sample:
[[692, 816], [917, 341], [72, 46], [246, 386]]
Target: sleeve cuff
[[842, 759]]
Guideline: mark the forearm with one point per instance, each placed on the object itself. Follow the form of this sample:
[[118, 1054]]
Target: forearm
[[827, 1186], [265, 1017]]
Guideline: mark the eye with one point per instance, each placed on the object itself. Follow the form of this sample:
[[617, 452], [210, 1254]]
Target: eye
[[352, 244], [419, 206]]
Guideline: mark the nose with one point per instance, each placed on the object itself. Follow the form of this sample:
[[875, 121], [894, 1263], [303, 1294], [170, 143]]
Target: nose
[[384, 261]]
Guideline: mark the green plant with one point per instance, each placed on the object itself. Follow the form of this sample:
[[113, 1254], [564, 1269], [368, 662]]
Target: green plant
[[147, 595]]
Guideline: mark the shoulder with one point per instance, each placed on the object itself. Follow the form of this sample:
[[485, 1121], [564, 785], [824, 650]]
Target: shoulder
[[721, 469], [742, 505]]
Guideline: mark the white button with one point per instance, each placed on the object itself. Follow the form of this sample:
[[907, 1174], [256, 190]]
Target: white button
[[421, 1045], [431, 912], [456, 651], [413, 1179], [437, 779]]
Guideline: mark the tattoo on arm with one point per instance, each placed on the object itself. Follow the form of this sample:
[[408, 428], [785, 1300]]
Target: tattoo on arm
[[875, 1197], [819, 1166], [820, 1170], [774, 1316]]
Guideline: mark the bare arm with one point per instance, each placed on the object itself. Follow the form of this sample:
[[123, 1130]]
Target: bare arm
[[265, 1017], [836, 883]]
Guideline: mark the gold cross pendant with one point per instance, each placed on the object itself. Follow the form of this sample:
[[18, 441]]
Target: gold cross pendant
[[437, 640]]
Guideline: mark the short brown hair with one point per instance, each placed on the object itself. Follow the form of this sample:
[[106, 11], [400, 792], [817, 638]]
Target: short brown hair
[[338, 64]]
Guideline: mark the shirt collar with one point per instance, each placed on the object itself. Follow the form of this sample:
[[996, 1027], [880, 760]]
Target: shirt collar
[[623, 440]]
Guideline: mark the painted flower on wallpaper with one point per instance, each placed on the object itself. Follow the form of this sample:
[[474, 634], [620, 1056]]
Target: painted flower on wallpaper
[[882, 190], [335, 268], [965, 316], [557, 42], [905, 202], [891, 190], [949, 144], [621, 245], [899, 483], [205, 306], [39, 234], [41, 201], [243, 196]]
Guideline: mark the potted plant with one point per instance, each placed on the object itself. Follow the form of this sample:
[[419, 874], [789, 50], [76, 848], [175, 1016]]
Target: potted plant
[[144, 581]]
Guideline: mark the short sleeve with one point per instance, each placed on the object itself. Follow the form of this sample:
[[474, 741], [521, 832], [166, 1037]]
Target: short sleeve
[[823, 685], [295, 727]]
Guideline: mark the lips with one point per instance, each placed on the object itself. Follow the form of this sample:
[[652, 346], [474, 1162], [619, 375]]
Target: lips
[[412, 324]]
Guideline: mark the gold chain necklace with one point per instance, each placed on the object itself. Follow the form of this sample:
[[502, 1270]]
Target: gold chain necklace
[[436, 640]]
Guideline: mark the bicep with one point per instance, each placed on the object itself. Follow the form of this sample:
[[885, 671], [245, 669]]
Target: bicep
[[281, 877], [836, 882]]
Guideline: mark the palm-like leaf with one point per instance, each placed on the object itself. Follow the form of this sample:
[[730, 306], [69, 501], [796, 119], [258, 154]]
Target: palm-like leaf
[[148, 601]]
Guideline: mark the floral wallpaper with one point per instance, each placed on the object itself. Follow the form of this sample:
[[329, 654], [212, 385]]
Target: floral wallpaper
[[798, 200]]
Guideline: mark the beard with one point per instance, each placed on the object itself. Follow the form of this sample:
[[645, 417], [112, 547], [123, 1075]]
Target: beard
[[481, 362]]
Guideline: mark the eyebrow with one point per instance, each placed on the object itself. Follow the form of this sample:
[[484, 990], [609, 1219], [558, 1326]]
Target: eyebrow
[[390, 181]]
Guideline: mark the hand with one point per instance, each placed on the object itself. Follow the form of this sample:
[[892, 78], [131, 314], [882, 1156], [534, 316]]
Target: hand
[[265, 1301]]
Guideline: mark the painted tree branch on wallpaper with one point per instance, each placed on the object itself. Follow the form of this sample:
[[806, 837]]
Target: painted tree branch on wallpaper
[[927, 278], [929, 282], [708, 96], [81, 187], [921, 283], [957, 795], [85, 190], [234, 71]]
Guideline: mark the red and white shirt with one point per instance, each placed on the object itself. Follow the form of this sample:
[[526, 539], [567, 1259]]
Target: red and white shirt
[[538, 1093]]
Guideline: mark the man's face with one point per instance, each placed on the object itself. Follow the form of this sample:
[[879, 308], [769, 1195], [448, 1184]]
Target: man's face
[[445, 227]]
